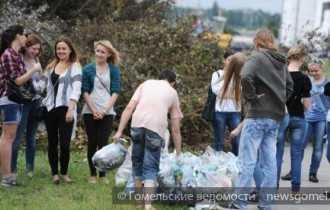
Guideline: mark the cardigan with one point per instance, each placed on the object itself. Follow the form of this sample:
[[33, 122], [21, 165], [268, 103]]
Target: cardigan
[[69, 87], [89, 74]]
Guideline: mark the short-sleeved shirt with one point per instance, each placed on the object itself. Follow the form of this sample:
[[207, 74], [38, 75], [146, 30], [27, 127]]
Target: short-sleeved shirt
[[11, 66], [155, 99], [301, 89]]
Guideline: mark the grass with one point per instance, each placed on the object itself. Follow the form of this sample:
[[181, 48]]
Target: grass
[[38, 192]]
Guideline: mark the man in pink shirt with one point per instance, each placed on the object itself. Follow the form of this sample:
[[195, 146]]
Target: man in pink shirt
[[149, 107]]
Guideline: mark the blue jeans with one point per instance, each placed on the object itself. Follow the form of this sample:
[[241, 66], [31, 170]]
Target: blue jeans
[[257, 134], [146, 154], [280, 145], [257, 174], [221, 120], [296, 128], [318, 129], [29, 125]]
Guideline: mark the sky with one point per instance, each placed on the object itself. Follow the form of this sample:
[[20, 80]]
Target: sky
[[272, 6]]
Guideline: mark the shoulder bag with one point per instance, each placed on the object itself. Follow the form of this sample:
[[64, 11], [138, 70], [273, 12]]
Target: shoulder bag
[[209, 107], [41, 113], [20, 94]]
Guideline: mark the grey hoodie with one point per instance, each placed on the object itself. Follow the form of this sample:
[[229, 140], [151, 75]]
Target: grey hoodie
[[266, 72]]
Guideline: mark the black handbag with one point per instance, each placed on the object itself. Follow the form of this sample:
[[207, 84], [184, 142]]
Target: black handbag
[[209, 107], [41, 113], [20, 94]]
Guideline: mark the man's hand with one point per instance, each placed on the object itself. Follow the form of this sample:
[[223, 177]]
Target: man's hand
[[116, 137], [179, 159]]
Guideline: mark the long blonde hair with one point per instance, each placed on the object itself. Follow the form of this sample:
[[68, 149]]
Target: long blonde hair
[[233, 74], [114, 58]]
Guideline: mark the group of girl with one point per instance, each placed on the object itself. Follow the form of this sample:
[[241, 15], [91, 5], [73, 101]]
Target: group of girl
[[306, 112], [65, 81]]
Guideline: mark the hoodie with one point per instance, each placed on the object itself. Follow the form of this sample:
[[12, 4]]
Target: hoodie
[[265, 72]]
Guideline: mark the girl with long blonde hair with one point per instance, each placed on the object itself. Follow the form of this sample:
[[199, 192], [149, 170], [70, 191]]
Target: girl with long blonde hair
[[100, 89], [228, 102]]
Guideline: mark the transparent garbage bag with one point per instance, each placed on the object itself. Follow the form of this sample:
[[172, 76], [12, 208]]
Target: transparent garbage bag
[[124, 172], [109, 157]]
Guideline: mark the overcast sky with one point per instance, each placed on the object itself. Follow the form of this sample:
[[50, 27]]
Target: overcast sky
[[272, 6]]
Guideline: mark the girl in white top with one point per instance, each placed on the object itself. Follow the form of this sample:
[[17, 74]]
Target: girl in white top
[[228, 103], [63, 81]]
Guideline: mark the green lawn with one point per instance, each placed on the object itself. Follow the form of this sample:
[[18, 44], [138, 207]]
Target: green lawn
[[39, 193]]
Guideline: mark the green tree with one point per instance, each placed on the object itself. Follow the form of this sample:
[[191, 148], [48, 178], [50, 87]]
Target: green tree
[[215, 9]]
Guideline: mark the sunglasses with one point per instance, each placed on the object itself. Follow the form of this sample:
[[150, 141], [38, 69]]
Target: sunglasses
[[317, 61]]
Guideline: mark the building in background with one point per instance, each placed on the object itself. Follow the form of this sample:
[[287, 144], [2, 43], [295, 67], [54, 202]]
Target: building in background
[[301, 16]]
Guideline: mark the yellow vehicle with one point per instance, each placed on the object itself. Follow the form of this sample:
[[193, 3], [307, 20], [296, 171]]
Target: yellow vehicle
[[224, 40]]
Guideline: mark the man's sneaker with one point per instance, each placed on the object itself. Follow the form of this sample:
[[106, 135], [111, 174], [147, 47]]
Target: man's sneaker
[[227, 206], [254, 197], [313, 178], [286, 177], [8, 182]]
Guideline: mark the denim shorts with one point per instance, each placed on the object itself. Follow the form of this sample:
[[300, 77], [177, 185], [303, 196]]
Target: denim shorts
[[11, 113], [146, 154]]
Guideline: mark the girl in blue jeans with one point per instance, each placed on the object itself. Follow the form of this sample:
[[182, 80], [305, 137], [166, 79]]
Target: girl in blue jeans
[[316, 115], [296, 104], [228, 102], [28, 125]]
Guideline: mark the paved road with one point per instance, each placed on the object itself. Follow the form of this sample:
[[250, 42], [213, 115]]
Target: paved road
[[323, 176]]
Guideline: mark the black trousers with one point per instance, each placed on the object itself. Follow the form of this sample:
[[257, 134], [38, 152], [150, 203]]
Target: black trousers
[[98, 132], [58, 131]]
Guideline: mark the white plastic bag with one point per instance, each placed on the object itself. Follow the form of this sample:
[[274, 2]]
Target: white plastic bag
[[109, 157], [124, 172]]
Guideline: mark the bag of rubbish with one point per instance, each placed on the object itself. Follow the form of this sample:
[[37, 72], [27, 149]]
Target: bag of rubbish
[[109, 157], [124, 172]]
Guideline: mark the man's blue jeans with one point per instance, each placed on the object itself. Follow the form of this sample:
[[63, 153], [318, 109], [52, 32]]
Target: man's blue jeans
[[221, 120], [30, 126], [296, 128], [257, 134], [318, 129], [146, 154]]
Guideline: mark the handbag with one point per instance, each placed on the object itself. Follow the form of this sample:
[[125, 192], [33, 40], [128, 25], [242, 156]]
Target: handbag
[[209, 106], [41, 113], [21, 94]]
